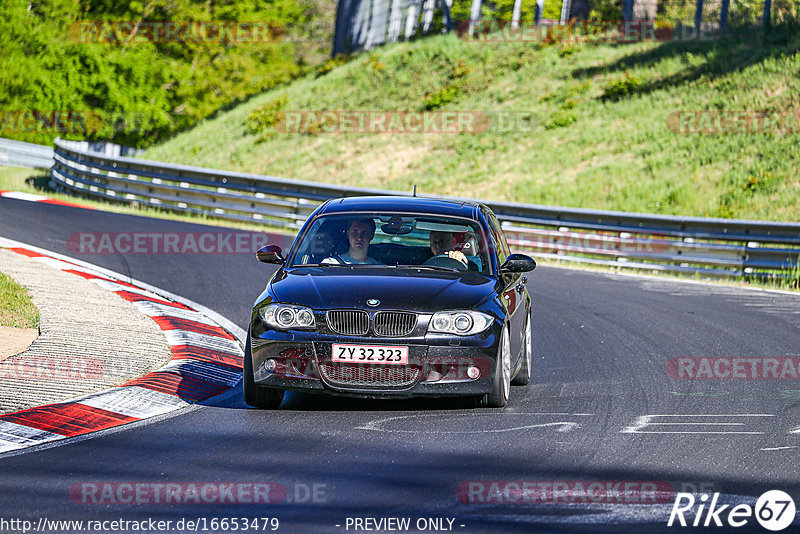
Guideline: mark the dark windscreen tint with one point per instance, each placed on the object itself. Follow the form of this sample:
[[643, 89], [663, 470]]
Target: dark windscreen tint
[[398, 240]]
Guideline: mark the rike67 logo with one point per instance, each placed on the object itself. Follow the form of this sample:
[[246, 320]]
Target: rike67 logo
[[774, 510]]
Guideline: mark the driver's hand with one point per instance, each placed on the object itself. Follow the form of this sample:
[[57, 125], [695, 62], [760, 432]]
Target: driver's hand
[[457, 255]]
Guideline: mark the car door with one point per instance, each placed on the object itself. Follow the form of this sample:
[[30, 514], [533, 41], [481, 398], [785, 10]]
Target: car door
[[512, 294]]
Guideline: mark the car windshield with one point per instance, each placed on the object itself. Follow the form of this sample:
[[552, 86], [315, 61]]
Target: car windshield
[[396, 240]]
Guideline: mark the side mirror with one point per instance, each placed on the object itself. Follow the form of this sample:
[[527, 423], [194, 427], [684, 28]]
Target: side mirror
[[518, 263], [270, 254]]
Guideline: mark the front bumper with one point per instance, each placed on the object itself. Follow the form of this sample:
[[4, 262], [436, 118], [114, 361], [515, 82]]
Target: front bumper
[[438, 364]]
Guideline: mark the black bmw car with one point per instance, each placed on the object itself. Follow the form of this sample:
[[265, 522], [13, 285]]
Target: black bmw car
[[383, 297]]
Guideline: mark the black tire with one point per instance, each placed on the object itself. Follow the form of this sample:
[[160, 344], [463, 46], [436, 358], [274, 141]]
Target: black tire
[[502, 376], [254, 395], [524, 374]]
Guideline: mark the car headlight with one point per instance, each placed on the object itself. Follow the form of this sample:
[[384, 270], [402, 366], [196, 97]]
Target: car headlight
[[287, 316], [461, 323]]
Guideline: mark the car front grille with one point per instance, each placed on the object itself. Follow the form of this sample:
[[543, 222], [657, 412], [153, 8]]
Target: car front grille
[[348, 322], [353, 374], [394, 323], [357, 322]]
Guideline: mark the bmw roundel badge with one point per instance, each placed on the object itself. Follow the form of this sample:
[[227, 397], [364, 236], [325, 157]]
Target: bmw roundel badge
[[373, 302]]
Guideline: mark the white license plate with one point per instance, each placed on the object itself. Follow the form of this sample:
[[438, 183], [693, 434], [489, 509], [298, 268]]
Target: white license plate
[[382, 354]]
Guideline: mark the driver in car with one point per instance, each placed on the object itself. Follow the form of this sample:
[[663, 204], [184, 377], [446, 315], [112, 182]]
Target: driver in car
[[443, 244], [321, 247], [359, 234]]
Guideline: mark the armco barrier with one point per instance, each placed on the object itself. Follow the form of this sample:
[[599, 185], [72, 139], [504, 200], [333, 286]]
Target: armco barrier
[[19, 154], [717, 247]]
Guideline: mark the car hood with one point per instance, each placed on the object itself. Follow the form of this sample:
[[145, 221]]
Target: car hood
[[333, 287]]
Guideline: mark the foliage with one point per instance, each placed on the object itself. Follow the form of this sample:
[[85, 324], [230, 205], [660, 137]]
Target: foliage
[[621, 87], [267, 115], [262, 119], [329, 64], [561, 118], [439, 98], [606, 10], [138, 93], [743, 187]]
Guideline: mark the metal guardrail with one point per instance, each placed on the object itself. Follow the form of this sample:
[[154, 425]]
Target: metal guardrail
[[34, 156], [720, 247], [19, 154]]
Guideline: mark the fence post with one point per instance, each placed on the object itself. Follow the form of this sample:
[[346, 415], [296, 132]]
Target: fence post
[[698, 16], [411, 20], [515, 15], [427, 14], [395, 21], [767, 10], [627, 10], [474, 16], [566, 6], [723, 15], [368, 20]]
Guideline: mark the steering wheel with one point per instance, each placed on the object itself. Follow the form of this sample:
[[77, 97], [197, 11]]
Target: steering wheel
[[443, 260]]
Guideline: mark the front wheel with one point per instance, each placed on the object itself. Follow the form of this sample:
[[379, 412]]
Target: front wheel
[[254, 395], [502, 376], [524, 374]]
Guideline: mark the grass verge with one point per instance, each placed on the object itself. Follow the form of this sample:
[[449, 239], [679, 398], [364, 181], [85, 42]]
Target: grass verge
[[16, 307], [592, 124]]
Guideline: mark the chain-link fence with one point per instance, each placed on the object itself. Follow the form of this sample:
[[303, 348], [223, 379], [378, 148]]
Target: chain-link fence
[[363, 24]]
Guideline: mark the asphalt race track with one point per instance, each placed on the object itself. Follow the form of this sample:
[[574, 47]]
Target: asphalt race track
[[601, 347]]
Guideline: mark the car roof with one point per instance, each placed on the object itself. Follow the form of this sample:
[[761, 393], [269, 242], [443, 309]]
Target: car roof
[[437, 206]]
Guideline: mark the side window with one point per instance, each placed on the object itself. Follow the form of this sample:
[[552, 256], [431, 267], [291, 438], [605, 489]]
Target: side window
[[499, 239]]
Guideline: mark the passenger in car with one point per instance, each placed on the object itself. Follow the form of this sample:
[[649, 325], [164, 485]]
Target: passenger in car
[[359, 235]]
